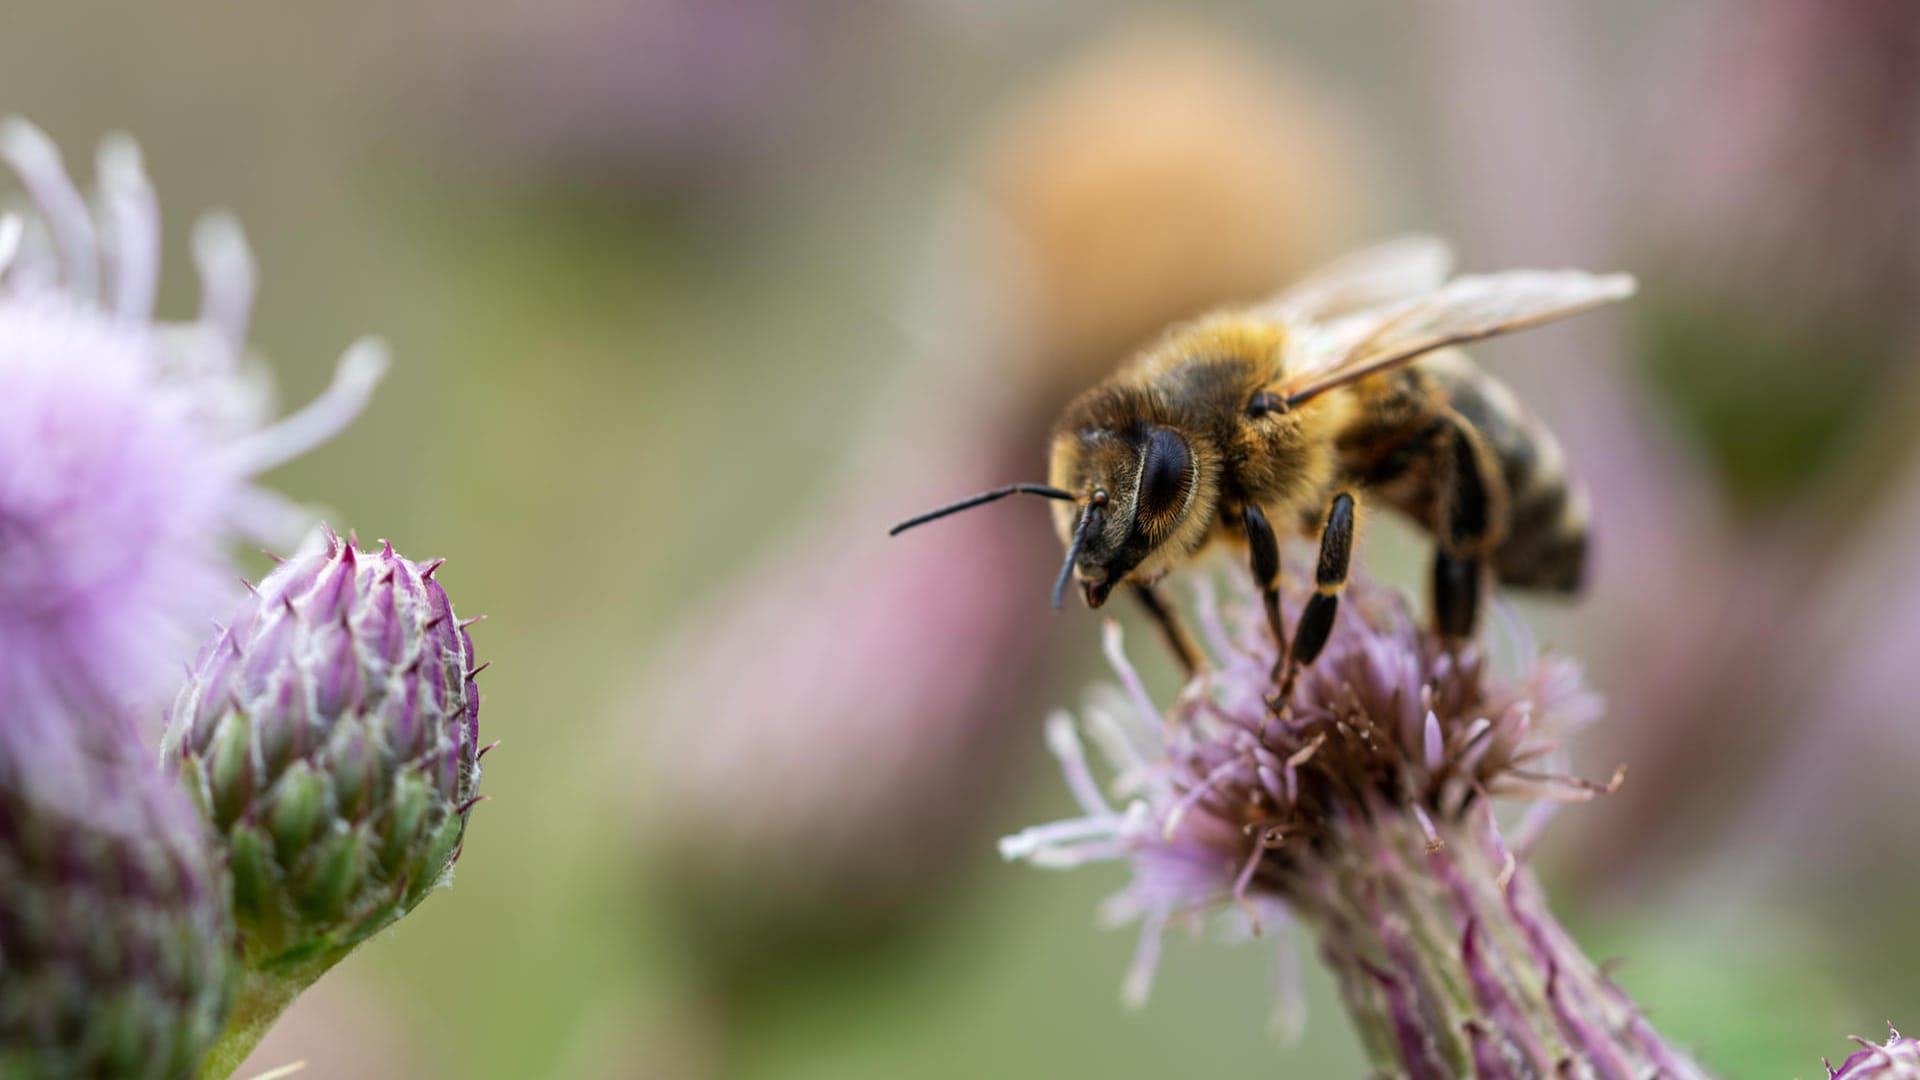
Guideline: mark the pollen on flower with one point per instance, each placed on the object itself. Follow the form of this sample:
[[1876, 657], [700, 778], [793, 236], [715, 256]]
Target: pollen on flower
[[129, 446]]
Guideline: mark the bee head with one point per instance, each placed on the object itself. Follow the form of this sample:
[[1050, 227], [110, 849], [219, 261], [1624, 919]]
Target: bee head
[[1135, 490], [1124, 503]]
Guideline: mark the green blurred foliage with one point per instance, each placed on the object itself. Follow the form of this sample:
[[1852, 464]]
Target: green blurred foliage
[[1752, 997], [1771, 405]]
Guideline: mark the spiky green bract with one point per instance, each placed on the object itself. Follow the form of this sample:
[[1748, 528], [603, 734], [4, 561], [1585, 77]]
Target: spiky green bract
[[330, 736], [114, 926]]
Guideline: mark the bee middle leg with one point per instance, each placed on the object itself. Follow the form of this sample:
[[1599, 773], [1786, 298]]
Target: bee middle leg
[[1185, 649], [1330, 573]]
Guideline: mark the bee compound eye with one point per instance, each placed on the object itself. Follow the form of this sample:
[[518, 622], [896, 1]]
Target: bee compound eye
[[1166, 472]]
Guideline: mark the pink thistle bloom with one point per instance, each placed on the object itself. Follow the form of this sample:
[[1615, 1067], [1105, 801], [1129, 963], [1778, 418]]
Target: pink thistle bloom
[[1364, 813], [129, 447]]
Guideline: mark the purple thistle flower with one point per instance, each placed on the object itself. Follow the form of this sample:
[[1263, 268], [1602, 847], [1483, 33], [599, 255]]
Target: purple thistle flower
[[1364, 812], [128, 447], [1896, 1059], [114, 925], [330, 737]]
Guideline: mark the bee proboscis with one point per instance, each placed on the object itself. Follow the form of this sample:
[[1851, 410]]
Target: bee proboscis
[[1343, 390]]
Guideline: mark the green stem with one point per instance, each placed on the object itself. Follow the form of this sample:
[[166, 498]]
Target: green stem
[[258, 1003]]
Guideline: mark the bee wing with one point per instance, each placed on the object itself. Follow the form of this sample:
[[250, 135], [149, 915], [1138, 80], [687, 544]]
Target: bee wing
[[1466, 309], [1398, 270]]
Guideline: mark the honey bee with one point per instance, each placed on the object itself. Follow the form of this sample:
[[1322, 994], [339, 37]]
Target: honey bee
[[1344, 389]]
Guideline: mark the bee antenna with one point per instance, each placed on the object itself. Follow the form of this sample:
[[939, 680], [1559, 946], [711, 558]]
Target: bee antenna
[[1044, 490], [1073, 553]]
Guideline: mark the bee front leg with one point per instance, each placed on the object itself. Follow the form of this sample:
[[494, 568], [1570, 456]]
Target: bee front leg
[[1172, 628], [1264, 552], [1330, 574]]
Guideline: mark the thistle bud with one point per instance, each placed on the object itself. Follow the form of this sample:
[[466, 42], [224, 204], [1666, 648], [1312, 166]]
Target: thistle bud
[[329, 735], [114, 926]]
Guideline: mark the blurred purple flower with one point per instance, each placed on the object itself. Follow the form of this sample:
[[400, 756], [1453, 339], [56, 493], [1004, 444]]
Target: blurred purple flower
[[662, 92], [128, 447], [894, 695], [1791, 151], [1364, 811], [1781, 220], [114, 922]]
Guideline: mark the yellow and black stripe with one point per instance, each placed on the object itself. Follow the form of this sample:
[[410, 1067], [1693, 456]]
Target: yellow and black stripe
[[1543, 541]]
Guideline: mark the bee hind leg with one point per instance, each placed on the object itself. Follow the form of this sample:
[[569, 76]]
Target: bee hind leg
[[1456, 595], [1330, 574], [1472, 504], [1185, 649]]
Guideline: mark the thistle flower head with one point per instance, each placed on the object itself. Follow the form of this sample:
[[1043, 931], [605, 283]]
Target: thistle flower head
[[1361, 810], [128, 447], [330, 736], [114, 923], [1226, 802]]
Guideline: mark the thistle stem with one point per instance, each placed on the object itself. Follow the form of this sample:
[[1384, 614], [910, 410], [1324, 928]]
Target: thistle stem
[[257, 1005], [1451, 965]]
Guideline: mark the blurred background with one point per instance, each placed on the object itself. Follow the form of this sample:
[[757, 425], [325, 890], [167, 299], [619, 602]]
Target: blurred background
[[690, 299]]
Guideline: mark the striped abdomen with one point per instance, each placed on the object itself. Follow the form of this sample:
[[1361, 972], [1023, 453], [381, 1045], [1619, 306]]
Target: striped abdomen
[[1397, 450], [1545, 546]]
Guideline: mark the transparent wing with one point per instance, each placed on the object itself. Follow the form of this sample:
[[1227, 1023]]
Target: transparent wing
[[1392, 272], [1466, 309]]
